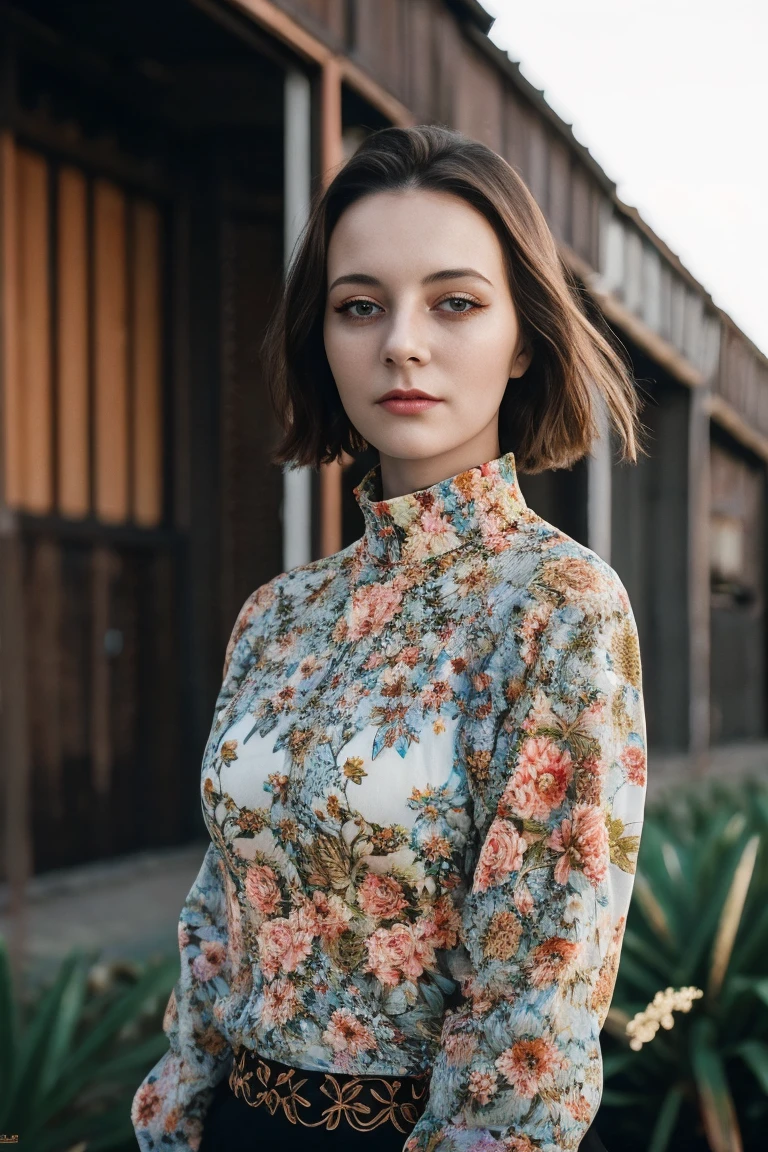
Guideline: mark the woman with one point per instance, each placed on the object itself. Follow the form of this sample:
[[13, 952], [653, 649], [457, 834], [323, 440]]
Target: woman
[[425, 778]]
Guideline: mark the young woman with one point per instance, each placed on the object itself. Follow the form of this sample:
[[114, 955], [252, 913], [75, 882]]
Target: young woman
[[425, 777]]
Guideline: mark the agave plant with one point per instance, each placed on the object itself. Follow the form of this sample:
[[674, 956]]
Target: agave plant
[[698, 920], [71, 1059]]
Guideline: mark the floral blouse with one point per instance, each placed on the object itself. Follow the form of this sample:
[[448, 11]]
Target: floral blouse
[[424, 786]]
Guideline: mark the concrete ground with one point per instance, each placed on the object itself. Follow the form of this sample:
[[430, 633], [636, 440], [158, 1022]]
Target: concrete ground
[[128, 908]]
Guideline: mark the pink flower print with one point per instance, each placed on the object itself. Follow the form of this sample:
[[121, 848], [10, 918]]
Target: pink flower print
[[459, 1048], [633, 760], [522, 898], [518, 1144], [345, 1033], [482, 1086], [583, 844], [333, 915], [263, 890], [573, 574], [553, 960], [285, 943], [541, 779], [234, 926], [280, 1002], [502, 853], [210, 960], [527, 1063], [381, 896], [171, 1014], [443, 923], [580, 1108], [398, 951], [431, 533], [373, 606], [147, 1103], [530, 632]]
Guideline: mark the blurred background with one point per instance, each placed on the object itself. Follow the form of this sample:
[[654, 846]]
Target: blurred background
[[156, 165]]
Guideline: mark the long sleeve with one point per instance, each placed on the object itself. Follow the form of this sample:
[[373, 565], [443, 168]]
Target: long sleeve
[[561, 809], [169, 1107]]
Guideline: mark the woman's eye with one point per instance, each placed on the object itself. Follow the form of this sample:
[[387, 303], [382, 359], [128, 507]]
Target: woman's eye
[[350, 304], [366, 307], [459, 300]]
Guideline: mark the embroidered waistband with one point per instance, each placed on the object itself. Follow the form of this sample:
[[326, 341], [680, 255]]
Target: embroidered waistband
[[325, 1099]]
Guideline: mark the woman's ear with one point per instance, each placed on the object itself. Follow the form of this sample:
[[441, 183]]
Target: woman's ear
[[521, 362]]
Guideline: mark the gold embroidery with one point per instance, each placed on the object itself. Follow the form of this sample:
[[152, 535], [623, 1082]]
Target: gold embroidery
[[345, 1097]]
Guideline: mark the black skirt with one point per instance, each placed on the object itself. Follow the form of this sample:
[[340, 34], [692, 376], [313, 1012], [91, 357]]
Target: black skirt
[[264, 1104]]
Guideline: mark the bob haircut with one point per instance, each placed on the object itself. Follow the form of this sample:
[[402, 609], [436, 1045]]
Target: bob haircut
[[550, 415]]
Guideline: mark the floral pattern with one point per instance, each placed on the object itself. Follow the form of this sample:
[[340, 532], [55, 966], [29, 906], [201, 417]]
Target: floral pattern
[[424, 785]]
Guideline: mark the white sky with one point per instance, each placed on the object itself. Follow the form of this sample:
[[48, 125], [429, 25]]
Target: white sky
[[671, 98]]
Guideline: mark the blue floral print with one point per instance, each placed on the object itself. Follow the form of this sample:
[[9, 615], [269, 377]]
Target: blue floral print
[[424, 785]]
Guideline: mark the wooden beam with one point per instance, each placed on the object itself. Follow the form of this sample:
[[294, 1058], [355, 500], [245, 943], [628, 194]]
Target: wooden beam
[[355, 78], [727, 417], [659, 349], [313, 51]]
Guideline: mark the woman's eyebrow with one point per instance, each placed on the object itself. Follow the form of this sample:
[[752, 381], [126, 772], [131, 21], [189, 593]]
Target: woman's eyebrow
[[433, 277]]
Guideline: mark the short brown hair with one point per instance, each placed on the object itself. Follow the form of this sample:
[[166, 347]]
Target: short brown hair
[[548, 416]]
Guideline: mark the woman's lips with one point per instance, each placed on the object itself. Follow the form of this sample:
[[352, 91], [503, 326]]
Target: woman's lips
[[405, 407]]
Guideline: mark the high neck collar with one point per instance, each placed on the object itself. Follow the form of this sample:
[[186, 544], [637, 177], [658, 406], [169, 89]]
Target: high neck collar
[[479, 505]]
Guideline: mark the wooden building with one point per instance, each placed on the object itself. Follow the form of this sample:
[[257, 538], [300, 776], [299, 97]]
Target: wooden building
[[156, 163]]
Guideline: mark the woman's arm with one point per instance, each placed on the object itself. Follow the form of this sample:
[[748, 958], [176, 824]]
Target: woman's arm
[[519, 1066], [170, 1105]]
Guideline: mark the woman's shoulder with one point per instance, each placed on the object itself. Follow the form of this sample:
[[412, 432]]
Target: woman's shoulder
[[570, 573], [291, 591]]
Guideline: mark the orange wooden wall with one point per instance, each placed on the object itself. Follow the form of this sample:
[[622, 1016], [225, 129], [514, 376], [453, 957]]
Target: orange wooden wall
[[82, 288]]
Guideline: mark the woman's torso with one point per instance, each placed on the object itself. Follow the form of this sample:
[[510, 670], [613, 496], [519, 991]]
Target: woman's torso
[[344, 782]]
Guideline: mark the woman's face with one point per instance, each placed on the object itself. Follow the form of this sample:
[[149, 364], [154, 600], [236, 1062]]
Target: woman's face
[[418, 299]]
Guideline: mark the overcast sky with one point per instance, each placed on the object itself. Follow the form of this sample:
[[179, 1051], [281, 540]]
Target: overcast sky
[[671, 98]]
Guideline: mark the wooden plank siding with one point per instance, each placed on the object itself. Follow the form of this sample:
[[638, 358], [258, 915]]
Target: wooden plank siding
[[110, 352], [95, 625], [34, 399], [738, 612], [83, 414], [146, 288], [72, 356]]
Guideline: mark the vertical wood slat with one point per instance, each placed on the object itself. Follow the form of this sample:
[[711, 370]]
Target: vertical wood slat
[[538, 164], [110, 359], [10, 398], [146, 392], [103, 560], [581, 213], [43, 622], [517, 133], [72, 345], [35, 416], [559, 205]]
